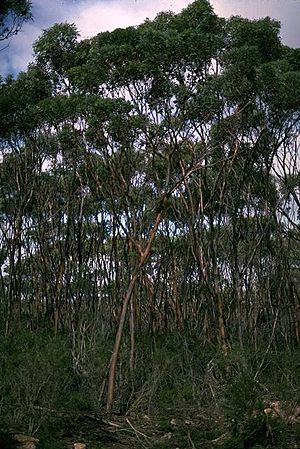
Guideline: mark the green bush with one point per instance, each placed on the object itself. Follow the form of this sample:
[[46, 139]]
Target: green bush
[[174, 376]]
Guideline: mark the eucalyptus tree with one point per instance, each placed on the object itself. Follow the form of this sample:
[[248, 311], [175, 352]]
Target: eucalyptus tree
[[20, 163], [13, 13], [155, 183]]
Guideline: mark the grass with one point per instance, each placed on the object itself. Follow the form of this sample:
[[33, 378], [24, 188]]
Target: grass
[[180, 394]]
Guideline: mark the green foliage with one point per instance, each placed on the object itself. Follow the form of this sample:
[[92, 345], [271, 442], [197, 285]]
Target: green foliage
[[34, 376], [192, 393], [18, 100], [48, 442], [54, 49], [13, 13], [263, 34], [170, 150]]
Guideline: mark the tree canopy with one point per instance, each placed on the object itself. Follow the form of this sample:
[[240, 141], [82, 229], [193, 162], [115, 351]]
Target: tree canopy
[[154, 169], [13, 13]]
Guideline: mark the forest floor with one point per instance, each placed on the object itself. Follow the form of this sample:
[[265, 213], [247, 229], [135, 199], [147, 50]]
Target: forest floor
[[180, 396], [176, 430], [159, 432]]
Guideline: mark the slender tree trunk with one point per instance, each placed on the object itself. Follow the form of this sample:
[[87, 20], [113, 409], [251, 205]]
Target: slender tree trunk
[[132, 336], [114, 357]]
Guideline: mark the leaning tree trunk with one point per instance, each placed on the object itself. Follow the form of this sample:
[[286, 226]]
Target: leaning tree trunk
[[144, 255]]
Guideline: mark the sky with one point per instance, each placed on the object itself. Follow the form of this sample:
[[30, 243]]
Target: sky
[[94, 16]]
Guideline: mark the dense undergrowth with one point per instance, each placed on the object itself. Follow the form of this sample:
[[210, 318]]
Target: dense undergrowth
[[150, 180], [179, 394]]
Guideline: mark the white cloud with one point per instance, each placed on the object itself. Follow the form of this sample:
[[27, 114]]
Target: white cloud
[[94, 16], [18, 53], [286, 11], [90, 16]]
